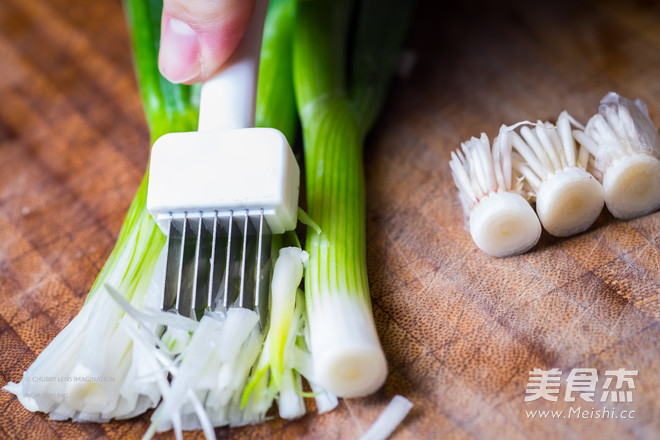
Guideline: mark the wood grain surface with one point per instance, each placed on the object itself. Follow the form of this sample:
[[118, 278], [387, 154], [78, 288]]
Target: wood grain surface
[[461, 330]]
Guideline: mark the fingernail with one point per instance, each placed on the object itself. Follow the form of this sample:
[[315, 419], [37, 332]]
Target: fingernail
[[179, 56]]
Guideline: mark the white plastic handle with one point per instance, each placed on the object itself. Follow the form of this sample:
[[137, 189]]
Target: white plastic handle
[[228, 100]]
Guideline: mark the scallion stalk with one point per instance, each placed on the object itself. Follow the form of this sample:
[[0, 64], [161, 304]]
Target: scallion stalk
[[276, 105], [336, 110]]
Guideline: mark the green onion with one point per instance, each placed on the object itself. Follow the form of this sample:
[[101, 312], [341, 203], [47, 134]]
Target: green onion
[[99, 342], [115, 340], [336, 110], [501, 220], [626, 150], [568, 198], [168, 108], [276, 105], [95, 351]]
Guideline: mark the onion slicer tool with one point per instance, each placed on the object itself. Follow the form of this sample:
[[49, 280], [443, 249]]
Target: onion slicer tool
[[220, 192]]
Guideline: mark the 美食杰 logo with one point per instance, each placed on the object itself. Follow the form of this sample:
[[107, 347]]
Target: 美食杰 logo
[[583, 386]]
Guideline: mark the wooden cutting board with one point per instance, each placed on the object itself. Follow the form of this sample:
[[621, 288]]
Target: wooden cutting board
[[461, 330]]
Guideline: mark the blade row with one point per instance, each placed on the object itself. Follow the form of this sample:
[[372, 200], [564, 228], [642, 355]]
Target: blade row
[[216, 262]]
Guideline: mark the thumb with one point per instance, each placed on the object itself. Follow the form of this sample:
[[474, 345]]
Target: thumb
[[197, 36]]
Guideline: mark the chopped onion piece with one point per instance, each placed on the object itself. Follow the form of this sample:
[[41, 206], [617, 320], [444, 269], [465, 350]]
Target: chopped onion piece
[[290, 402], [325, 400], [389, 419], [214, 367]]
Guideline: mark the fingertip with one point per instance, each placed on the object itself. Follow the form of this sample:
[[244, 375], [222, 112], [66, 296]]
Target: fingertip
[[199, 37], [179, 57]]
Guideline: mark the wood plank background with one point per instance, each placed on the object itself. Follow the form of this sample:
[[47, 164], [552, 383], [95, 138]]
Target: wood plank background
[[461, 330]]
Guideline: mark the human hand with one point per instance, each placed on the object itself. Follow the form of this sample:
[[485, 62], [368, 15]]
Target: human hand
[[198, 36]]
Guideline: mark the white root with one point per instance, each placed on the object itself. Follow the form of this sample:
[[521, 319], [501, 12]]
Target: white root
[[632, 186], [626, 149], [569, 201], [502, 222], [616, 163], [568, 198]]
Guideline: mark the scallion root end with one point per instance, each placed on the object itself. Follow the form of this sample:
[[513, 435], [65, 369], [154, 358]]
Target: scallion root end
[[632, 186], [569, 201], [504, 224]]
